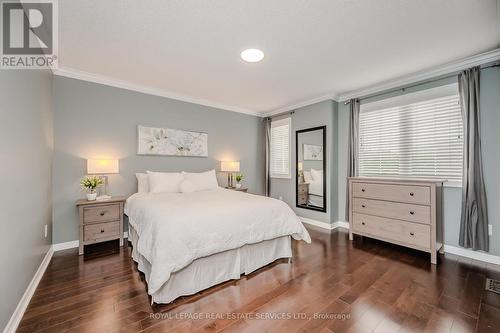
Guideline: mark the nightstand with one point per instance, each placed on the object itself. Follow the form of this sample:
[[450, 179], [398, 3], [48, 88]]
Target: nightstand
[[100, 221], [302, 194], [241, 189]]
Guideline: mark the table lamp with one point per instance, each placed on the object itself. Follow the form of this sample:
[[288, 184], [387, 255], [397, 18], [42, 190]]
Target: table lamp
[[229, 167], [102, 168]]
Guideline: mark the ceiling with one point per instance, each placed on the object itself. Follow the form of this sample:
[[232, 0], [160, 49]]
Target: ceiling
[[313, 48]]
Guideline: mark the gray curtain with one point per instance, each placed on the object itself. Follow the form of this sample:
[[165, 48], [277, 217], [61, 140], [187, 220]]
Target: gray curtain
[[474, 219], [353, 142], [267, 122]]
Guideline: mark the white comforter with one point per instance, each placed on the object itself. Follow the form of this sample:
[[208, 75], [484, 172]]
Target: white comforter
[[176, 228]]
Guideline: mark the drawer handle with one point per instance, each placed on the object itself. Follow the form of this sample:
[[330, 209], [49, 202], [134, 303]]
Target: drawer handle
[[412, 213], [362, 190], [412, 234], [412, 194], [102, 213], [363, 206], [363, 223], [102, 230]]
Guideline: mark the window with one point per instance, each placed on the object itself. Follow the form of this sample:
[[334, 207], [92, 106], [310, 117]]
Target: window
[[416, 135], [280, 148]]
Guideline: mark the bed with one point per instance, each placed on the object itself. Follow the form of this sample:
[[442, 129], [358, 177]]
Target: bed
[[187, 242]]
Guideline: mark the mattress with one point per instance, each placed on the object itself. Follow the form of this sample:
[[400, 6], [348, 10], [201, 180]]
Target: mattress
[[208, 271]]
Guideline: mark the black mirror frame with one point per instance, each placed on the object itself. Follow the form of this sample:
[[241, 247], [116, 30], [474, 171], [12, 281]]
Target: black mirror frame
[[318, 209]]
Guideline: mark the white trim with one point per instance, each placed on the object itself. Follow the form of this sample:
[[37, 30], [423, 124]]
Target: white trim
[[430, 73], [307, 102], [433, 72], [74, 244], [66, 245], [325, 225], [452, 183], [109, 81], [459, 251], [476, 255], [16, 317], [341, 224]]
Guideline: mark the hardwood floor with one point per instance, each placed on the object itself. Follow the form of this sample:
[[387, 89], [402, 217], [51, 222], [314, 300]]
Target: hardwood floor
[[333, 285]]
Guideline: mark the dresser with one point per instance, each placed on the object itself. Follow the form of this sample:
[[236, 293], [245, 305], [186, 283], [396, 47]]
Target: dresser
[[100, 221], [404, 212], [302, 194]]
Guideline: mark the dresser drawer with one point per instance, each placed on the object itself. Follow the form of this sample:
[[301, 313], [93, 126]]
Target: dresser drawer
[[395, 210], [398, 193], [303, 189], [101, 213], [96, 231], [389, 229], [302, 199]]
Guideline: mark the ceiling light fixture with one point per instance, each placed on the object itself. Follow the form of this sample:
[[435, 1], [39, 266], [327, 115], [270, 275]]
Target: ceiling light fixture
[[252, 55]]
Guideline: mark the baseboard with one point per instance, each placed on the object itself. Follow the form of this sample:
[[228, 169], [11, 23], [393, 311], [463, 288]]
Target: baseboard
[[459, 251], [476, 255], [316, 223], [16, 317], [325, 225], [65, 245], [74, 244], [341, 224]]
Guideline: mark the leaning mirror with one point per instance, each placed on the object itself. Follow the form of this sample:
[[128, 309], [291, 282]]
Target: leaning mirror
[[310, 188]]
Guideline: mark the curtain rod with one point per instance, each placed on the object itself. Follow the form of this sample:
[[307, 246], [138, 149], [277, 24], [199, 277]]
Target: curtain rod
[[280, 114], [417, 84]]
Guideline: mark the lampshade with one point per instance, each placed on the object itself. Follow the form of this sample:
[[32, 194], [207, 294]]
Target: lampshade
[[102, 167], [228, 166]]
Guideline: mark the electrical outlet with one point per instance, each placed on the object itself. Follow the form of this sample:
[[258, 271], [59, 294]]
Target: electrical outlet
[[46, 231], [281, 197], [490, 229]]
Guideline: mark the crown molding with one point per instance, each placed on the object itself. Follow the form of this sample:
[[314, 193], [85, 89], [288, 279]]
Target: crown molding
[[292, 107], [112, 82], [433, 72], [430, 73]]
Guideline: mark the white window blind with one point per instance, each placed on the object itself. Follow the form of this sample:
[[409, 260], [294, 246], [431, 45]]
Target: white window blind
[[422, 139], [280, 148]]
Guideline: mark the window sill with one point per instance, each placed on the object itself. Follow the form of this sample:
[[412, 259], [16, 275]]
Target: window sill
[[281, 177], [453, 184]]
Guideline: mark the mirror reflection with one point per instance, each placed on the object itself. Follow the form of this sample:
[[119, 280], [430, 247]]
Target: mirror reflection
[[311, 166]]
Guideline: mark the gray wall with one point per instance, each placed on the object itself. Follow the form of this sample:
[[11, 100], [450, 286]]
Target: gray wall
[[97, 121], [490, 120], [319, 114], [25, 199]]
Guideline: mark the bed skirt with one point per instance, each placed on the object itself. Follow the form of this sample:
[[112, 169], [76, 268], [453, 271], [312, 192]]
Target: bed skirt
[[209, 271]]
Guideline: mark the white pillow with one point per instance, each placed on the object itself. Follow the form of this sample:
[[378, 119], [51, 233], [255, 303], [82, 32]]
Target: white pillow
[[186, 186], [142, 182], [317, 175], [202, 181], [307, 177], [164, 181]]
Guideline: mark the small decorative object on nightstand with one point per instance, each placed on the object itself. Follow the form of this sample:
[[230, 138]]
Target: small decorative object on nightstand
[[90, 184], [239, 178], [100, 221]]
